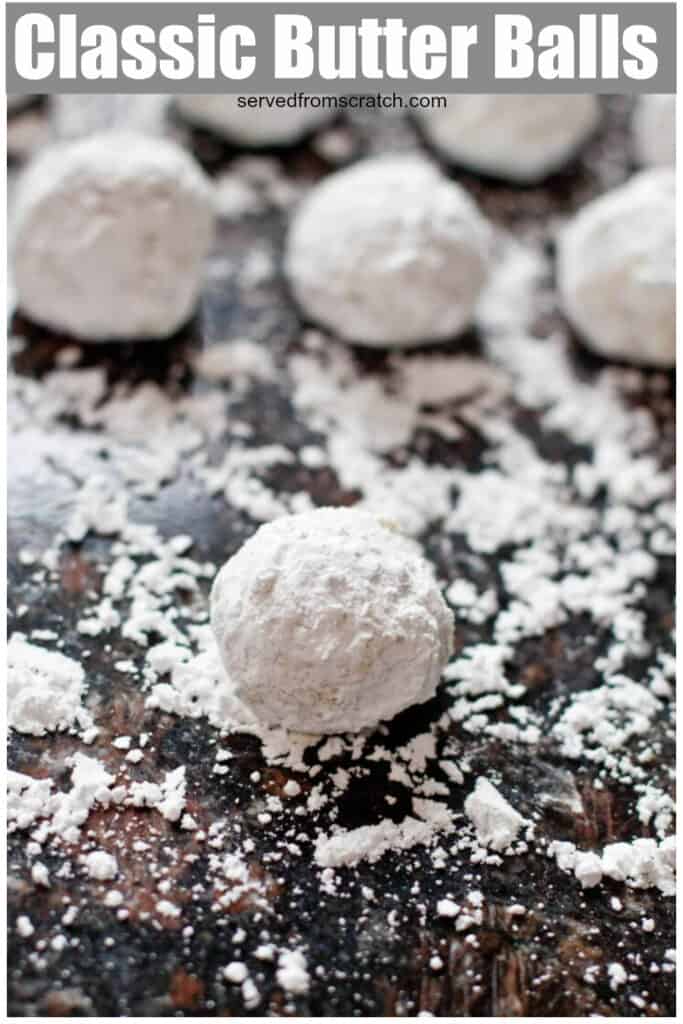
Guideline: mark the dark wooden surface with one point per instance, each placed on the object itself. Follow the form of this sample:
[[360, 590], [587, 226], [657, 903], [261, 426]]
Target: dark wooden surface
[[376, 956]]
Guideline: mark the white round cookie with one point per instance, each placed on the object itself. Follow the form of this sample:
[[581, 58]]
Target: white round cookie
[[330, 621], [521, 139], [247, 126], [654, 130], [388, 252], [109, 237], [615, 271]]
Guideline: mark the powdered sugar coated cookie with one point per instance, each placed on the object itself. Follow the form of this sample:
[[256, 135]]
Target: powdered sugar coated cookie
[[388, 253], [519, 138], [654, 130], [109, 237], [330, 621], [616, 271]]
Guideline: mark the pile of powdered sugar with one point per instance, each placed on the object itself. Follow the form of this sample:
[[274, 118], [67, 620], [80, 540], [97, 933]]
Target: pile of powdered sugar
[[44, 689], [517, 498], [523, 543]]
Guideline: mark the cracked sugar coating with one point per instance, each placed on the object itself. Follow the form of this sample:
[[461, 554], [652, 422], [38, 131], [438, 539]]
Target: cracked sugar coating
[[265, 126], [388, 253], [518, 138], [110, 235], [616, 274], [330, 621]]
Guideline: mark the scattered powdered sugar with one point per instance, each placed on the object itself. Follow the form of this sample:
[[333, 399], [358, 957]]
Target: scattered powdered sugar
[[26, 799], [598, 724], [292, 972], [64, 812], [168, 798], [44, 689], [371, 842], [24, 926], [100, 865], [530, 542], [520, 498], [236, 361], [235, 972], [101, 507], [496, 821], [641, 863]]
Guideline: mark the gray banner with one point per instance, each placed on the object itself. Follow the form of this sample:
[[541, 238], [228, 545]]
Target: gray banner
[[341, 47]]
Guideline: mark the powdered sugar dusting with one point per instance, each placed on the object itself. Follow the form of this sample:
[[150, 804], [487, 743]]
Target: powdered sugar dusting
[[44, 689], [541, 491]]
